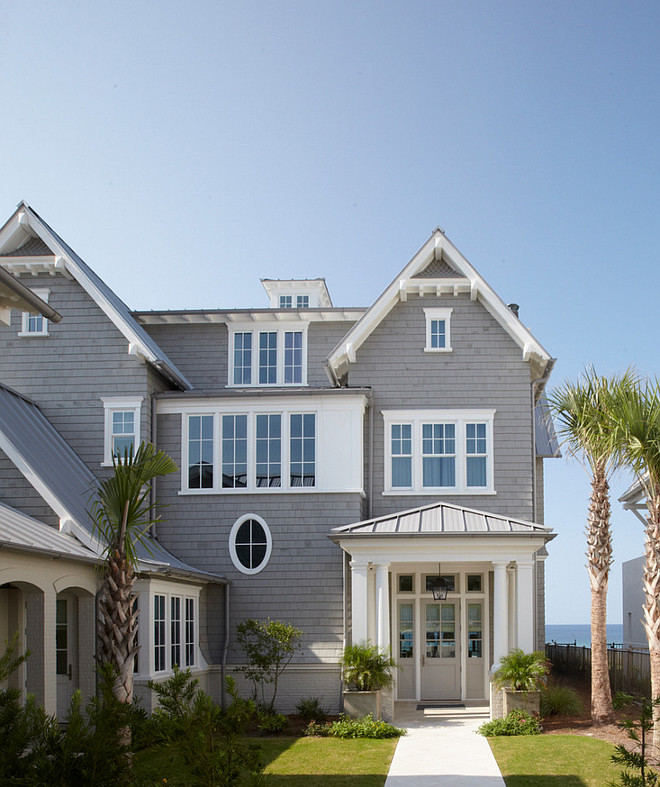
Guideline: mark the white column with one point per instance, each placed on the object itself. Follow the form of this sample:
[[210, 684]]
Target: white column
[[359, 601], [526, 598], [382, 606], [500, 613]]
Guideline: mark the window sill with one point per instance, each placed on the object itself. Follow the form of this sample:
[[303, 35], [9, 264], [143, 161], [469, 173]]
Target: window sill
[[437, 492], [438, 349], [31, 335], [252, 386], [274, 490]]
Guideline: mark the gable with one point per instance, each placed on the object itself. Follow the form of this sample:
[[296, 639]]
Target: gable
[[431, 272], [29, 245]]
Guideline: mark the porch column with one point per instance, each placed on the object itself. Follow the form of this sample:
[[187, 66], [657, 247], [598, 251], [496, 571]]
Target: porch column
[[500, 613], [359, 601], [526, 598], [382, 606]]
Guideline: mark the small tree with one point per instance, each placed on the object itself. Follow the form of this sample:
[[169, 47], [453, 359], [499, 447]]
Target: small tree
[[639, 731], [269, 647], [367, 667], [522, 671]]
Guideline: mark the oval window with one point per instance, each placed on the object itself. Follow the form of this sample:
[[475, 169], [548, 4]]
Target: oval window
[[250, 544]]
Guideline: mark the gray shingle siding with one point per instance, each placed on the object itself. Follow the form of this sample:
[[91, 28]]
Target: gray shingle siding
[[16, 492], [484, 370]]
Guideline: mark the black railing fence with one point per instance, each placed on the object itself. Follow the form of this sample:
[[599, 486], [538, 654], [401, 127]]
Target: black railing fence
[[630, 670]]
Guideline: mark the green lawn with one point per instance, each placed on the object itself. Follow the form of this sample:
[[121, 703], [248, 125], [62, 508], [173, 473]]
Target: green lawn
[[298, 762], [554, 761]]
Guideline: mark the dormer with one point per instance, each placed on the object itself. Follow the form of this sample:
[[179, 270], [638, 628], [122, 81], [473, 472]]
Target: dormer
[[297, 293]]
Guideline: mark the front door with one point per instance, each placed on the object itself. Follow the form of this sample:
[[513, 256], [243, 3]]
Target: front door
[[66, 647], [440, 654]]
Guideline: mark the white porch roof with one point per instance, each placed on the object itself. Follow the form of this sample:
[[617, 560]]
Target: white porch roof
[[442, 518]]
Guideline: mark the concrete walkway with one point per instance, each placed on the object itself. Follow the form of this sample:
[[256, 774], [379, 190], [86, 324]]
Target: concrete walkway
[[442, 748]]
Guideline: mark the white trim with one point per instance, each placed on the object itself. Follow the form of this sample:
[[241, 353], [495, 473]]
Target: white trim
[[44, 294], [460, 418], [114, 404], [431, 315], [232, 544], [280, 328]]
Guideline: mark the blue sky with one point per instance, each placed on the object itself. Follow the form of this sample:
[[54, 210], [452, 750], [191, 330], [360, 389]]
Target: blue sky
[[185, 151]]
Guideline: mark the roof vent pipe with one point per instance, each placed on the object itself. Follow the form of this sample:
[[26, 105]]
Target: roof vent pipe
[[514, 308]]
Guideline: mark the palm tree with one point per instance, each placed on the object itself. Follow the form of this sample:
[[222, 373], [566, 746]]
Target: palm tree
[[122, 513], [638, 423], [583, 411]]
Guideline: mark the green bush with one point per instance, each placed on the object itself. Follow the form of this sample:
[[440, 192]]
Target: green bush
[[622, 700], [317, 729], [559, 700], [522, 671], [365, 727], [271, 723], [516, 722], [366, 667], [310, 709]]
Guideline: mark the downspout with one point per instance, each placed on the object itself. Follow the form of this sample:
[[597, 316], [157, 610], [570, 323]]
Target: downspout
[[533, 386], [225, 648], [154, 436], [370, 490]]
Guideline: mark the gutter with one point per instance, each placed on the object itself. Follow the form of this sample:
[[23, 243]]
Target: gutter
[[225, 648], [28, 296]]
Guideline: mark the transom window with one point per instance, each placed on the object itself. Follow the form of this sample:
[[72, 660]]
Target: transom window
[[438, 335], [122, 427], [250, 544], [269, 356], [439, 451], [256, 451]]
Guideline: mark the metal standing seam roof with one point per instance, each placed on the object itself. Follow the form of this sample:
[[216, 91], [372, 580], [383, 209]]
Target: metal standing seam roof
[[162, 362], [25, 533], [28, 436], [441, 519]]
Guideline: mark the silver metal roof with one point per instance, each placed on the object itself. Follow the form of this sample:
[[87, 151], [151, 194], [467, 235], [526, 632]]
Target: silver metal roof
[[547, 445], [19, 531], [62, 478], [441, 519]]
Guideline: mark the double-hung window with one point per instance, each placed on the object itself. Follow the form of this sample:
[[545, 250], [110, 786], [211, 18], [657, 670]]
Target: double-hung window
[[122, 427], [438, 333], [255, 451], [35, 324], [269, 355], [439, 451]]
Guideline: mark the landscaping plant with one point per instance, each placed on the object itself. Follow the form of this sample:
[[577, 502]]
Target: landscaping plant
[[516, 722], [310, 709], [638, 772], [269, 646], [366, 668], [345, 727], [557, 700], [522, 671]]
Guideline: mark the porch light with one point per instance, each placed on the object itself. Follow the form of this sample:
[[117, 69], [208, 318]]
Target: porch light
[[439, 590]]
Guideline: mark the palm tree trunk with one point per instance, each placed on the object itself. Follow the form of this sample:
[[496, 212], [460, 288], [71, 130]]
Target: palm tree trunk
[[652, 606], [599, 559]]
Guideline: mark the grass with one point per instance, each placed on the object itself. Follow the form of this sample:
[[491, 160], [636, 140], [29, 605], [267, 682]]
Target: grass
[[297, 762], [554, 761]]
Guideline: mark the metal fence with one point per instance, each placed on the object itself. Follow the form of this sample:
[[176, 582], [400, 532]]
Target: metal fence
[[630, 670]]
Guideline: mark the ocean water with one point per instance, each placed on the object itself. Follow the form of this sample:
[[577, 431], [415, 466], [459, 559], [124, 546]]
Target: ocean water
[[580, 634]]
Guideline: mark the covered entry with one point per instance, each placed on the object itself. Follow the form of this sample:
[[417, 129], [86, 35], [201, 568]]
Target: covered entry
[[449, 590]]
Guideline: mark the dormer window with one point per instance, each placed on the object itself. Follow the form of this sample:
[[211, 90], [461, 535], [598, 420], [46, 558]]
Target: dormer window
[[302, 301], [286, 301], [269, 355], [297, 293]]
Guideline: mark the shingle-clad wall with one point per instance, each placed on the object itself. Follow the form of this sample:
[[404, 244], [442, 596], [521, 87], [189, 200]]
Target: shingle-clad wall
[[16, 492], [200, 351], [484, 370], [301, 584], [84, 358]]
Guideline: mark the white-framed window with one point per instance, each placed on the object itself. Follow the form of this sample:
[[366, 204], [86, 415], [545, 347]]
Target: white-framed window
[[439, 451], [35, 324], [302, 301], [250, 544], [286, 301], [438, 330], [263, 451], [122, 426], [273, 354], [174, 631]]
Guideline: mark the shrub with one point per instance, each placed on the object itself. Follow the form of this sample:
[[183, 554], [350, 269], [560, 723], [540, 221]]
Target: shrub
[[271, 723], [366, 668], [560, 701], [516, 722], [622, 700], [269, 647], [366, 727], [310, 709], [318, 729], [638, 772], [522, 671]]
